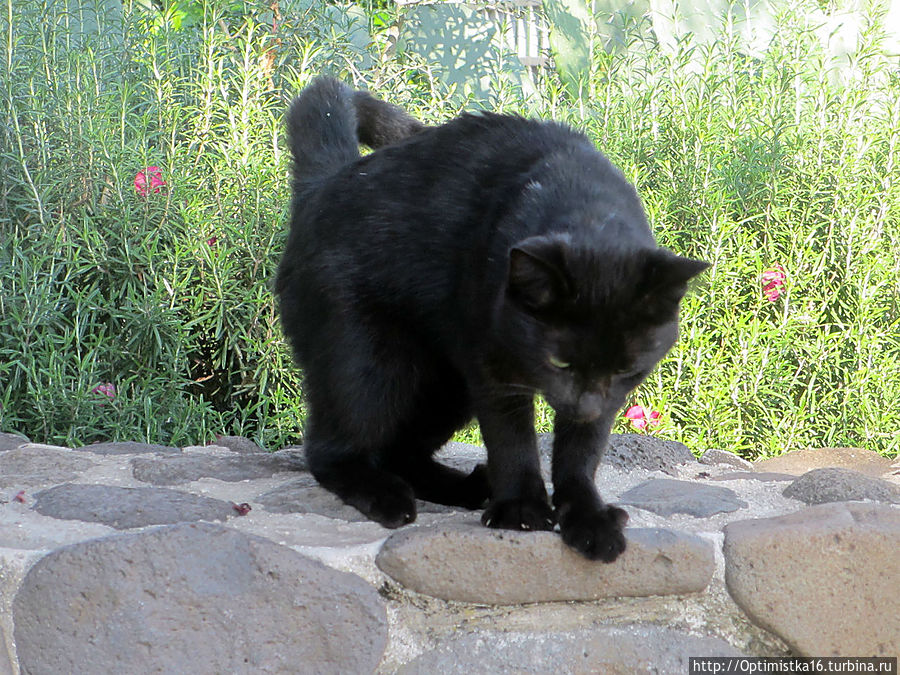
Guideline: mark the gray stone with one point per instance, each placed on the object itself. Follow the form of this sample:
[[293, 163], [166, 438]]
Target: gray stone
[[176, 470], [471, 563], [238, 444], [629, 451], [634, 451], [293, 457], [759, 476], [613, 650], [123, 508], [194, 598], [821, 486], [825, 579], [666, 497], [714, 456], [130, 448], [798, 462], [34, 464], [304, 495], [11, 441]]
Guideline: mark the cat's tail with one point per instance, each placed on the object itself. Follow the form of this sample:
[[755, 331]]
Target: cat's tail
[[328, 120]]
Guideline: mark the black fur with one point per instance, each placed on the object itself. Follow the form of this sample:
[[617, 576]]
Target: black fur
[[456, 272]]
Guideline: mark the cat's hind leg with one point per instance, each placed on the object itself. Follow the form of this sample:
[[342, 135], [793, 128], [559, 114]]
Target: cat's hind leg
[[378, 494], [442, 406]]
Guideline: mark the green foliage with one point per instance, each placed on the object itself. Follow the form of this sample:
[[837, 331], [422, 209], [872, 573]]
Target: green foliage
[[748, 162], [572, 30]]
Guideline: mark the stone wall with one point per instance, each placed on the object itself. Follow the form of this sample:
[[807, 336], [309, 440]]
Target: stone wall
[[125, 557]]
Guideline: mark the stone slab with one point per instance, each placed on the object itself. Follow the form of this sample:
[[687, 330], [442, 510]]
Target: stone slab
[[618, 650], [188, 468], [714, 456], [667, 497], [129, 448], [834, 484], [634, 451], [124, 508], [11, 441], [472, 563], [194, 598], [798, 462], [825, 579], [304, 495], [238, 444], [759, 476], [33, 464]]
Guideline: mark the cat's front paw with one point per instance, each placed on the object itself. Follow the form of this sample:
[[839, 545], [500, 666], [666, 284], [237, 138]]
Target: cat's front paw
[[596, 533], [519, 514]]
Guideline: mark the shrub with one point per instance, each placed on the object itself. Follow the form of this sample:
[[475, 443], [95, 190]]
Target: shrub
[[145, 311]]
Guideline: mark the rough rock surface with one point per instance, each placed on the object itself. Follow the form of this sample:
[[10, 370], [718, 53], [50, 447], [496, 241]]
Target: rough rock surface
[[821, 486], [798, 462], [239, 444], [33, 464], [470, 563], [184, 469], [612, 651], [825, 579], [194, 598], [667, 497], [677, 559], [632, 451], [755, 475], [11, 441], [124, 508], [129, 448], [713, 457], [304, 495]]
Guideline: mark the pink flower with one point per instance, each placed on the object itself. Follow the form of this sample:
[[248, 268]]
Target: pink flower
[[773, 280], [641, 417], [212, 241], [151, 175], [108, 389]]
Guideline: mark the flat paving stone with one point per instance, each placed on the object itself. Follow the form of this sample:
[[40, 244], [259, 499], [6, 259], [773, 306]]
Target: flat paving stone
[[124, 508], [821, 486], [238, 444], [177, 470], [714, 456], [667, 497], [11, 441], [825, 579], [759, 476], [129, 448], [305, 495], [34, 464], [472, 563], [798, 462], [194, 598], [618, 650]]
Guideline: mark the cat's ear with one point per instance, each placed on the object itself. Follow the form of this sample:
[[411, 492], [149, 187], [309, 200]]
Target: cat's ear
[[668, 273], [538, 279]]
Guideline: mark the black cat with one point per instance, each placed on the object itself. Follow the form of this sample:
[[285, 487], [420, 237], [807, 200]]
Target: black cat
[[456, 272]]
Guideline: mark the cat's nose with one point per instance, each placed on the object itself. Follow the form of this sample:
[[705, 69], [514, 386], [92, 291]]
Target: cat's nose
[[588, 407]]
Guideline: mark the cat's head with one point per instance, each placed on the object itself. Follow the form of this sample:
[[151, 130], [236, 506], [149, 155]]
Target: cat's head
[[593, 320]]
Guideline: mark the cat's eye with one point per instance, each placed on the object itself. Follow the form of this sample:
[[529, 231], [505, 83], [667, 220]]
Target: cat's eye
[[558, 363]]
